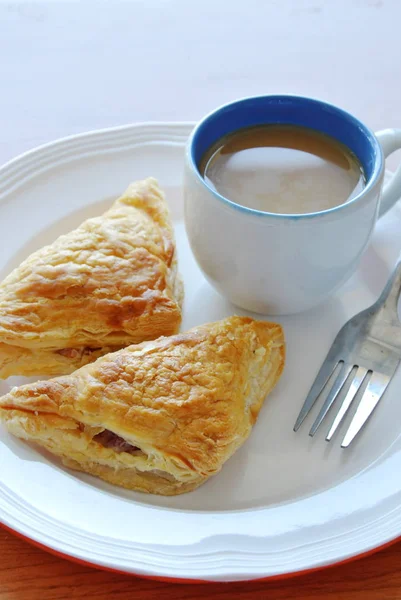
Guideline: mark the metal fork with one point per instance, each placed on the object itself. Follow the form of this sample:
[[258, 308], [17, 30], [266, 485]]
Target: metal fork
[[361, 362]]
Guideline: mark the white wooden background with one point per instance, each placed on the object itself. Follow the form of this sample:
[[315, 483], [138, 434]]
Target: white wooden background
[[67, 67]]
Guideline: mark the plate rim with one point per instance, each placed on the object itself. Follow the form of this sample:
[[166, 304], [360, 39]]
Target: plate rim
[[19, 171], [186, 581]]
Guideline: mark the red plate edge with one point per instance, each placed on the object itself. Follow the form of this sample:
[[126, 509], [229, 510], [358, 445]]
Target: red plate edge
[[289, 575]]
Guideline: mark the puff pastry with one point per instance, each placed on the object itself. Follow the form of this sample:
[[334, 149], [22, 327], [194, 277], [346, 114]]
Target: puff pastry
[[161, 416], [109, 283]]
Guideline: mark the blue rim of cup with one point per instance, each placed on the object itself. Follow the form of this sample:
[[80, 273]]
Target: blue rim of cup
[[288, 109]]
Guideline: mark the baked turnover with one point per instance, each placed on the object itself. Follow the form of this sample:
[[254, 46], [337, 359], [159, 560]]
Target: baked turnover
[[160, 416], [109, 283]]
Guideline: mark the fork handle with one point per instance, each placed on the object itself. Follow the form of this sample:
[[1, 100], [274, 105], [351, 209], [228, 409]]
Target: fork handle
[[388, 300]]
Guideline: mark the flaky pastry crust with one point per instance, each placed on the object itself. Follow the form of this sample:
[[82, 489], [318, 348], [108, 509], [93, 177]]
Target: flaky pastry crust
[[109, 283], [178, 407]]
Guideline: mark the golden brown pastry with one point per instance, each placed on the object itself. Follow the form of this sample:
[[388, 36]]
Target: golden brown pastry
[[160, 416], [109, 283]]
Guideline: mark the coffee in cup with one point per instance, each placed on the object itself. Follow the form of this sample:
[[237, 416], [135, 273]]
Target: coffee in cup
[[283, 169]]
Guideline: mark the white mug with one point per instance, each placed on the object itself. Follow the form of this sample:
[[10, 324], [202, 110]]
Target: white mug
[[272, 263]]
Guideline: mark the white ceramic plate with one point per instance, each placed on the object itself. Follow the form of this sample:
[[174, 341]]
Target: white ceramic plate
[[285, 502]]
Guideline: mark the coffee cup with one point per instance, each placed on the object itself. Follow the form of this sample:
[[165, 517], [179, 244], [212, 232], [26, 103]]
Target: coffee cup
[[272, 263]]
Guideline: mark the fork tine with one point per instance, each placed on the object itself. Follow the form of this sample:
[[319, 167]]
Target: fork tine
[[374, 391], [355, 385], [322, 378], [332, 396]]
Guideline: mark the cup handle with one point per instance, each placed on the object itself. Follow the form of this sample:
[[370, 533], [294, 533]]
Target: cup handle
[[390, 141]]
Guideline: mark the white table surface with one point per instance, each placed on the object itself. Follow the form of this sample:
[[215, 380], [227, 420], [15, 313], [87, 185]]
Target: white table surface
[[68, 67]]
